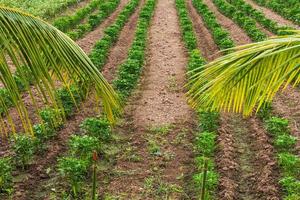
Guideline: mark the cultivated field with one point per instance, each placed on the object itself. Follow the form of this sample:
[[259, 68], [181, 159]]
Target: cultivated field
[[159, 146]]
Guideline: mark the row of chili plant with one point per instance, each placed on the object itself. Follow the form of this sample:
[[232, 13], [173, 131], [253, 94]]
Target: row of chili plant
[[205, 138]]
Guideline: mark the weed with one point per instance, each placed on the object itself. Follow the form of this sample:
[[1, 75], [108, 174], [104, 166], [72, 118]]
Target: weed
[[161, 129]]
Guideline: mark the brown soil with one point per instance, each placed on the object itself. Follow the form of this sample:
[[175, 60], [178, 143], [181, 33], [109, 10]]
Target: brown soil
[[245, 160], [272, 15], [205, 40], [89, 39], [237, 34], [157, 105], [287, 105]]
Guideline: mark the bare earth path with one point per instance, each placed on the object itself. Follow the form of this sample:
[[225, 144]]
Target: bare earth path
[[159, 105]]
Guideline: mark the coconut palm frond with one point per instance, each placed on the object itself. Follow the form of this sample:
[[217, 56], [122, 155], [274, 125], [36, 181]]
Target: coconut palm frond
[[243, 80], [28, 41]]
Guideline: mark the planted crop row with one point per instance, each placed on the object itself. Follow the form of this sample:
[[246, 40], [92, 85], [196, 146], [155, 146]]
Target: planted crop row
[[46, 9], [220, 35], [129, 72], [96, 132], [259, 17], [101, 49], [104, 10], [205, 142], [67, 22], [289, 10], [245, 22], [287, 157]]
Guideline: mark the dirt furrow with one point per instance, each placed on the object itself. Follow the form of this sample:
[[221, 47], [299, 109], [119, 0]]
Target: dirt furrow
[[237, 34], [37, 174], [157, 117], [272, 15], [246, 160], [205, 39]]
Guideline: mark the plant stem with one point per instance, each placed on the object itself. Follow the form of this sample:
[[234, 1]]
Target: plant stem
[[204, 180]]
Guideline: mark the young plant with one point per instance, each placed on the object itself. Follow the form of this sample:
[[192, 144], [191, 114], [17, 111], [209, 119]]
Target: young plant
[[5, 174], [209, 121], [43, 132], [285, 142], [290, 164], [52, 117], [205, 143], [97, 127], [277, 126], [69, 97], [75, 171], [290, 185], [83, 146], [24, 147], [212, 179]]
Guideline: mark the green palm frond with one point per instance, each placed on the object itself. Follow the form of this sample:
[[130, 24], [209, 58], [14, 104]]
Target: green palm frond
[[50, 57], [248, 77]]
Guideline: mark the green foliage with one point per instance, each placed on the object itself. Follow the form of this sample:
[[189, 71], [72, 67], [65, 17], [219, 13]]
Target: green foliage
[[205, 143], [97, 127], [290, 185], [200, 160], [265, 112], [269, 24], [290, 164], [130, 70], [52, 117], [220, 35], [285, 142], [83, 146], [209, 121], [101, 49], [277, 126], [66, 22], [43, 132], [289, 10], [211, 183], [247, 23], [5, 174], [43, 8], [69, 97], [5, 101], [74, 170], [24, 147]]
